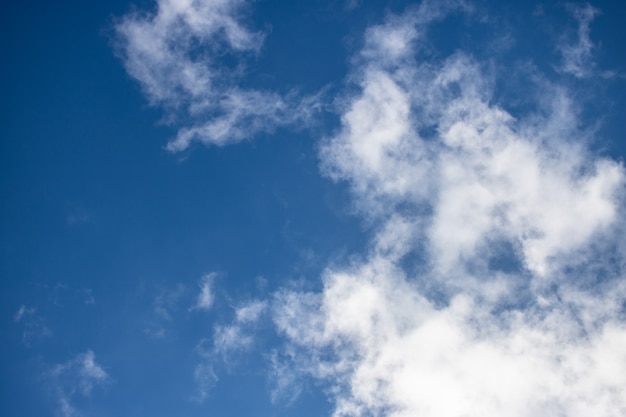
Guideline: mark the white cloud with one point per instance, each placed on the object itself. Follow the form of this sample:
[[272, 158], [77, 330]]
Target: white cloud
[[227, 342], [287, 385], [166, 303], [577, 54], [76, 377], [176, 53], [515, 305], [23, 311], [230, 339], [392, 352], [205, 298], [205, 378], [154, 333], [494, 279], [250, 312], [33, 325], [484, 174], [238, 336]]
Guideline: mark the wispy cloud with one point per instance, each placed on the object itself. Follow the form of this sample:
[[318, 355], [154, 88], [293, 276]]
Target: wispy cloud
[[239, 335], [177, 54], [250, 312], [34, 325], [166, 303], [577, 53], [22, 312], [76, 378], [204, 300], [154, 332], [228, 341], [490, 286]]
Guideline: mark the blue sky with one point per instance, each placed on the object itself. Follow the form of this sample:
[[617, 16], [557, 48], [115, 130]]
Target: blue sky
[[346, 208]]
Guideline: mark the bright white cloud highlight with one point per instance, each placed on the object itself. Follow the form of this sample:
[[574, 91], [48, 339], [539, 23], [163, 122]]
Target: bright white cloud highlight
[[387, 350], [515, 303], [177, 54]]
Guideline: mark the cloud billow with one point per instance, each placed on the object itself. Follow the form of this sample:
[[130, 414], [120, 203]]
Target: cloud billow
[[445, 171]]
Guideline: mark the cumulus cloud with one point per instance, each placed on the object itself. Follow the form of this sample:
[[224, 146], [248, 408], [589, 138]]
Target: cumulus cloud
[[76, 378], [177, 53], [494, 280]]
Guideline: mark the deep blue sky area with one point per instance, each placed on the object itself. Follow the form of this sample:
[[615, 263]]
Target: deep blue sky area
[[105, 235], [92, 201]]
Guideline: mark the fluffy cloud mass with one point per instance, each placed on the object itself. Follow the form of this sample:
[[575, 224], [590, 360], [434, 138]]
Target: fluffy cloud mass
[[494, 282]]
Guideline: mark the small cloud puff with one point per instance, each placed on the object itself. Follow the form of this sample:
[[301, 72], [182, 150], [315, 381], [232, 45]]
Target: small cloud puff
[[204, 300]]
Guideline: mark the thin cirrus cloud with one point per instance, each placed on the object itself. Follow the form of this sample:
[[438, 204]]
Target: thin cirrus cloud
[[174, 51], [517, 305]]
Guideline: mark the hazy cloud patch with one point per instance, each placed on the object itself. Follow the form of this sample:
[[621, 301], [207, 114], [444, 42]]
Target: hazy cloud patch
[[74, 379]]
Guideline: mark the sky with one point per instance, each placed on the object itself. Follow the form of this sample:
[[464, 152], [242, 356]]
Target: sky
[[340, 208]]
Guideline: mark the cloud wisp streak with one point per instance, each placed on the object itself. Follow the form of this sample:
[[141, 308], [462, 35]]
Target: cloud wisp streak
[[577, 55], [228, 341], [204, 300], [76, 378], [176, 53], [491, 285]]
